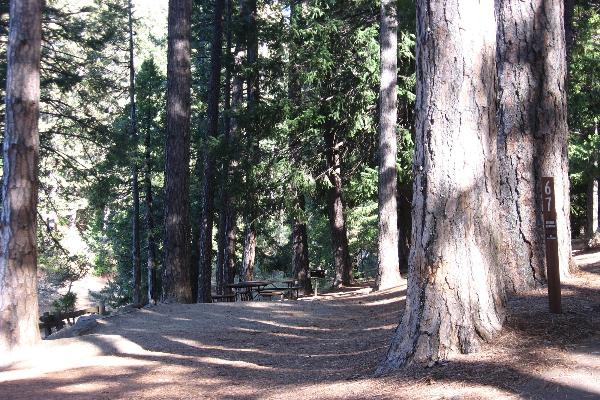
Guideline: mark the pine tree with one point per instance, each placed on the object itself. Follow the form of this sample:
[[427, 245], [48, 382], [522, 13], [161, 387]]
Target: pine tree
[[177, 283], [389, 267], [455, 297], [18, 246]]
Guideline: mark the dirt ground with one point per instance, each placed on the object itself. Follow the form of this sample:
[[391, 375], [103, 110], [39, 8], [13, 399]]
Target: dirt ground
[[315, 349]]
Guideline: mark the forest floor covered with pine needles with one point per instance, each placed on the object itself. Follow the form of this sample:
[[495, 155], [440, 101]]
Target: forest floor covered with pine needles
[[315, 349]]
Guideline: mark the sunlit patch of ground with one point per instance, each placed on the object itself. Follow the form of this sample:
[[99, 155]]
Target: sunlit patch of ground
[[325, 348]]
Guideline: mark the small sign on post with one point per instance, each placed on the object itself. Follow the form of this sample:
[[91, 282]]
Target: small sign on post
[[551, 238]]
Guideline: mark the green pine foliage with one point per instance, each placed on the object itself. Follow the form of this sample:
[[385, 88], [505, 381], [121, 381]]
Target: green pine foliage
[[584, 109]]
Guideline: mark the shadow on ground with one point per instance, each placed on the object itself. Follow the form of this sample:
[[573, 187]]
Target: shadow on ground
[[326, 349]]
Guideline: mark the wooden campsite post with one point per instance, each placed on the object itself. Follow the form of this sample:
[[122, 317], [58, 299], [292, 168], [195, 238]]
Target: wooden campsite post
[[550, 230]]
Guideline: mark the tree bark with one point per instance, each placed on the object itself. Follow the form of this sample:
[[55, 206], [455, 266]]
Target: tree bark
[[249, 256], [591, 214], [18, 221], [335, 209], [300, 261], [532, 135], [552, 136], [231, 132], [249, 13], [405, 195], [388, 275], [135, 190], [208, 191], [150, 226], [455, 298], [177, 276]]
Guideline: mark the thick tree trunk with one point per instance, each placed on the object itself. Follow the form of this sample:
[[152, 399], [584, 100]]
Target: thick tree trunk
[[18, 222], [208, 199], [532, 136], [552, 135], [388, 275], [135, 190], [249, 256], [335, 209], [455, 298], [300, 261], [177, 276]]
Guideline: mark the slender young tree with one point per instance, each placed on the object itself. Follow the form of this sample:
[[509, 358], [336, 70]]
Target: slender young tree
[[135, 190], [149, 101], [300, 262], [208, 195], [177, 285], [455, 298], [227, 218], [18, 243], [249, 12], [389, 267], [335, 209]]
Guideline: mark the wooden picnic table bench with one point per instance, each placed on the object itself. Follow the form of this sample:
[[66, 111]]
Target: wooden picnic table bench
[[220, 298]]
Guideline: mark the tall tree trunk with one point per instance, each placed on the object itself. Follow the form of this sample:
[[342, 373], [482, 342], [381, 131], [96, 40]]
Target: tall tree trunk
[[221, 244], [135, 190], [208, 190], [18, 222], [233, 130], [233, 104], [552, 135], [220, 271], [389, 269], [335, 209], [455, 299], [300, 262], [591, 214], [177, 276], [532, 135], [249, 13], [249, 256], [150, 226]]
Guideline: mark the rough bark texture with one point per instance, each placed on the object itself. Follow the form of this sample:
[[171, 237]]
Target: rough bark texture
[[135, 189], [455, 297], [177, 276], [208, 189], [335, 210], [388, 275], [300, 261], [249, 256], [532, 133], [552, 134], [18, 242]]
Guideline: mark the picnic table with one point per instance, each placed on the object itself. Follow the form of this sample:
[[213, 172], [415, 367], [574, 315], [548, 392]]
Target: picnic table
[[248, 290], [251, 290]]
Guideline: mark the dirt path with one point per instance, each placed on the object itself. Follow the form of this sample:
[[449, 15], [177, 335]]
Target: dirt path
[[325, 349]]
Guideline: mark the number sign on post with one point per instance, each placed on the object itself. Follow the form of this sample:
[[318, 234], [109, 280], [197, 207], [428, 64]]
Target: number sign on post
[[550, 230]]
